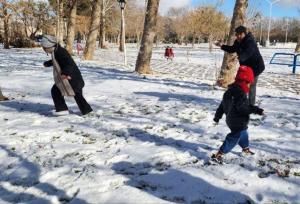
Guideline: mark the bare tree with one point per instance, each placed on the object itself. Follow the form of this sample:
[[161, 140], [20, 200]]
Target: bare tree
[[229, 65], [93, 31], [34, 16], [60, 21], [145, 53], [71, 25], [135, 15], [208, 22], [106, 5], [5, 15], [297, 50]]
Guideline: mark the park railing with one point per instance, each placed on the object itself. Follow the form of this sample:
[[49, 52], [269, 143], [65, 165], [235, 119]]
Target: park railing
[[292, 62]]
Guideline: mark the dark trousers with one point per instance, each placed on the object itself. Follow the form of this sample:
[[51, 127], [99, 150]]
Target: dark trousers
[[232, 139], [252, 93], [60, 103]]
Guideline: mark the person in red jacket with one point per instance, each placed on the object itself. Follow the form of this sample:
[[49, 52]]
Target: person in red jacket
[[169, 54], [237, 109]]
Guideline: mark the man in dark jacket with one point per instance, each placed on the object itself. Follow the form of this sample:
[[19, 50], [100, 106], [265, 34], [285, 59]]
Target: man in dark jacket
[[248, 53], [237, 109], [67, 77]]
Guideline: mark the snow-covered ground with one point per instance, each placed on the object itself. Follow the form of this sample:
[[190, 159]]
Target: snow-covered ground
[[150, 138]]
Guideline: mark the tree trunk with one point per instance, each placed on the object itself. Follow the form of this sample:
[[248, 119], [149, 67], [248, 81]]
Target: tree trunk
[[6, 26], [60, 22], [118, 39], [297, 50], [71, 25], [145, 53], [138, 39], [229, 65], [93, 31], [193, 40], [102, 39], [210, 43], [2, 97]]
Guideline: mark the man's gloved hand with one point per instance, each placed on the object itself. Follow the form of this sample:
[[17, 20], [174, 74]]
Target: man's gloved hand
[[218, 43]]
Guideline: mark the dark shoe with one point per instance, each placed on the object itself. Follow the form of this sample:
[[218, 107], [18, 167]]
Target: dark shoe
[[89, 112], [248, 151], [218, 157], [3, 98]]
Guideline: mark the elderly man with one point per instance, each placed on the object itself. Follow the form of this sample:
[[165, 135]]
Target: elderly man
[[67, 77], [248, 53]]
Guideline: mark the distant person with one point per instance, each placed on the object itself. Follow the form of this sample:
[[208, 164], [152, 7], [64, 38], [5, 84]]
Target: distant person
[[169, 54], [237, 109], [78, 46], [248, 53], [67, 77]]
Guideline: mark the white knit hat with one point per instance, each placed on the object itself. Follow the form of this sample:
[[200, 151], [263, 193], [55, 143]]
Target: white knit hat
[[48, 41]]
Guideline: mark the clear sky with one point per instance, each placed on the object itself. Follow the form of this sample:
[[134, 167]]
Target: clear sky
[[284, 8]]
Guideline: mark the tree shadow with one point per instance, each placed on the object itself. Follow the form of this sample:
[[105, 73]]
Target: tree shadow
[[180, 145], [280, 97], [25, 106], [26, 174], [113, 73], [183, 97], [175, 186]]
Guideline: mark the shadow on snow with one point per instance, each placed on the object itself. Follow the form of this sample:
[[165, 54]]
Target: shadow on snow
[[26, 174]]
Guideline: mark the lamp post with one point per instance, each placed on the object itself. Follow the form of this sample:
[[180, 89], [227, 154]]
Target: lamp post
[[287, 29], [271, 2], [122, 47]]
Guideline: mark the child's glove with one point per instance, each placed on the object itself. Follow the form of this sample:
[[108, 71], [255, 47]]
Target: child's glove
[[259, 111], [216, 120]]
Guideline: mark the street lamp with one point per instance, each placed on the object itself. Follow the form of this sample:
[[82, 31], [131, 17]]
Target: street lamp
[[286, 30], [271, 2], [122, 47], [122, 4]]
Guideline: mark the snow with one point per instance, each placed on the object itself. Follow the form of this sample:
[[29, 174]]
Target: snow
[[150, 138]]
